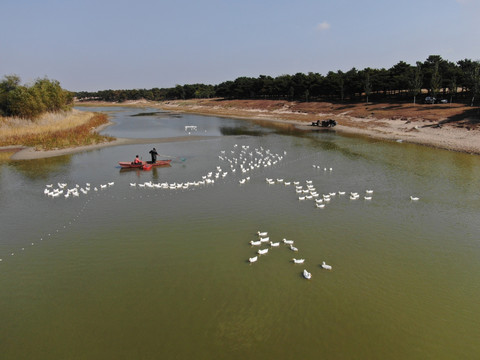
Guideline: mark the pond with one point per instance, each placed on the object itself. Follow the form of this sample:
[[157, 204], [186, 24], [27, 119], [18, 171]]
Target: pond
[[156, 264]]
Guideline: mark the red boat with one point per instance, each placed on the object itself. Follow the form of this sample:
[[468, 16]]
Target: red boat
[[144, 165]]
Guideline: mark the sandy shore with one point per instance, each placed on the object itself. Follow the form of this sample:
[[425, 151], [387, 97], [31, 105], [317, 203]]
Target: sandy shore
[[430, 129], [433, 129]]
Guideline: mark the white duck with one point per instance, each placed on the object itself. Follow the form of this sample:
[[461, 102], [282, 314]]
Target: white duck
[[262, 251], [287, 242], [293, 248], [266, 239], [262, 233], [253, 259], [255, 243], [307, 275], [272, 244], [298, 261], [414, 198], [325, 266]]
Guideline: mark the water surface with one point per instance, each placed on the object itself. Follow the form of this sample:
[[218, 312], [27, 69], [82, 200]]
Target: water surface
[[128, 272]]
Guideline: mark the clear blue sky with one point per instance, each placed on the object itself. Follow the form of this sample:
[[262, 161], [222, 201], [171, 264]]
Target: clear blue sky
[[118, 44]]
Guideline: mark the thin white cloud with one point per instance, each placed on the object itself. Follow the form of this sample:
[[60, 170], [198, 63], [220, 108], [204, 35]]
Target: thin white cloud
[[323, 26]]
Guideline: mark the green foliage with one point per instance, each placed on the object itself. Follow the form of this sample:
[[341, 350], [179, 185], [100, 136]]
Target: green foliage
[[397, 83], [416, 81], [31, 101]]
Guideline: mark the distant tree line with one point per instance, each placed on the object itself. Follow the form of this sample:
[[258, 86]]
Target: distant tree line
[[30, 101], [458, 81], [199, 91]]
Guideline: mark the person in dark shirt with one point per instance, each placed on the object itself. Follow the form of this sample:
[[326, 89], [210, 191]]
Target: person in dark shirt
[[154, 154]]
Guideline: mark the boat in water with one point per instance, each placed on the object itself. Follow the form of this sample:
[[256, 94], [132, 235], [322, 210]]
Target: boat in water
[[144, 165]]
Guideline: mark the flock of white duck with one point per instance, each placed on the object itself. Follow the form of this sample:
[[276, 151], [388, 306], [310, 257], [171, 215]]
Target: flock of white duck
[[308, 191], [264, 239], [62, 189], [241, 160]]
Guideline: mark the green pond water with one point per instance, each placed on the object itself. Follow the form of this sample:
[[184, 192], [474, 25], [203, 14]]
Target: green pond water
[[129, 272]]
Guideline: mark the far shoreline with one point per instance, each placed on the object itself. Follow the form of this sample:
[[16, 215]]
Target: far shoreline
[[413, 130]]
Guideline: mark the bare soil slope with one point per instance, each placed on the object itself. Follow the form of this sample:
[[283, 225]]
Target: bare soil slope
[[448, 126]]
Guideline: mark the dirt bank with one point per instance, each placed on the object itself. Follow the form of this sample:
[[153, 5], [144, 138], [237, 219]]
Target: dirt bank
[[448, 126]]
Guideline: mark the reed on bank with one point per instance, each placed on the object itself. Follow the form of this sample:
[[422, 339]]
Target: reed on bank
[[54, 130]]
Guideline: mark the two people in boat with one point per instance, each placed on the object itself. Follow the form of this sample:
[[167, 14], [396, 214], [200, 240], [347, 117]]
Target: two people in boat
[[153, 154]]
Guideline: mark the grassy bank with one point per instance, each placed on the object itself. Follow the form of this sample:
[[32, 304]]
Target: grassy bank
[[54, 130]]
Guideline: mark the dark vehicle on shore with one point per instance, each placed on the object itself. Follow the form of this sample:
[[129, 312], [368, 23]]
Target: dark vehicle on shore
[[324, 123]]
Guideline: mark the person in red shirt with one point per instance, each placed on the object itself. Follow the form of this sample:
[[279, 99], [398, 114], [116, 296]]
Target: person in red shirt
[[137, 160]]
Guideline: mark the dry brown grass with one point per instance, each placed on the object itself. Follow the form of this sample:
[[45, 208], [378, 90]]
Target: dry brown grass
[[54, 130], [5, 155]]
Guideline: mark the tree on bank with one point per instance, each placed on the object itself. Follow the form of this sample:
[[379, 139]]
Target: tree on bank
[[435, 81], [368, 84], [475, 79], [30, 102], [416, 83], [397, 83], [452, 87]]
